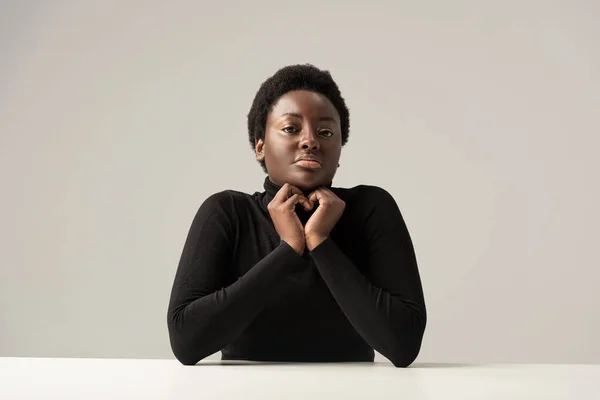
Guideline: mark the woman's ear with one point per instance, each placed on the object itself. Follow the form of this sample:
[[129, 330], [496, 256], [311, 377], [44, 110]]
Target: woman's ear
[[259, 148]]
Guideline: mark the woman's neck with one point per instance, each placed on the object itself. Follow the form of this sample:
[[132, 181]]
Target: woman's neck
[[272, 188]]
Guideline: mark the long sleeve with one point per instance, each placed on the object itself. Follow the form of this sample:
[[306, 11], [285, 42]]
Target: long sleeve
[[203, 316], [385, 304]]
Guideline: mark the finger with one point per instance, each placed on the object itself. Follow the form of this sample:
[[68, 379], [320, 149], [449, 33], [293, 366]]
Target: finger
[[294, 190], [294, 199], [308, 205], [282, 194], [302, 198], [304, 202], [285, 192], [290, 203], [332, 197], [318, 195]]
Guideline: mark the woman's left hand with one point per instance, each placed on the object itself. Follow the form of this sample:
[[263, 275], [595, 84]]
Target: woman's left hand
[[328, 213]]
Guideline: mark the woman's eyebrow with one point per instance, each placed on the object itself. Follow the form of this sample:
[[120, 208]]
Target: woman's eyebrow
[[291, 114]]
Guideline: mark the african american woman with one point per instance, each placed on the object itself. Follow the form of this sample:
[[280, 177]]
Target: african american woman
[[302, 271]]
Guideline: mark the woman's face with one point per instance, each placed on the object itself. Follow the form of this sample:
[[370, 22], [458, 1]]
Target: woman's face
[[302, 124]]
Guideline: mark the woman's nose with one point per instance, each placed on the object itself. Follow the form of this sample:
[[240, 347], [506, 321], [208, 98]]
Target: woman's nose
[[309, 140]]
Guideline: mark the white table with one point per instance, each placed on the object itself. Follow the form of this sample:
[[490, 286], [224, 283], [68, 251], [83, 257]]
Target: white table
[[63, 378]]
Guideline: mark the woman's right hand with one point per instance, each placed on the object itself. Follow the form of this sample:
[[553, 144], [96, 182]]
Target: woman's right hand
[[282, 211]]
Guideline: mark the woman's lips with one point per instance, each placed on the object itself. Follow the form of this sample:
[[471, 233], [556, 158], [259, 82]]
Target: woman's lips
[[308, 164]]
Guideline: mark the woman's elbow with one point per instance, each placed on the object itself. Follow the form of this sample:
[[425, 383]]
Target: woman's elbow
[[403, 359], [404, 355], [184, 349], [407, 350], [186, 358]]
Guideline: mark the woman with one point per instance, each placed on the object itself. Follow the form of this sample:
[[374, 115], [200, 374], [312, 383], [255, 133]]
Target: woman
[[303, 271]]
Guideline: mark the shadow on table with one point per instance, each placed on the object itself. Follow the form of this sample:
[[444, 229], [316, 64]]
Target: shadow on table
[[243, 362], [417, 365], [440, 365]]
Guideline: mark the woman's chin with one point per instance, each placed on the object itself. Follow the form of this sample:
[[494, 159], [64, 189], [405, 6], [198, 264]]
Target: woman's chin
[[309, 183]]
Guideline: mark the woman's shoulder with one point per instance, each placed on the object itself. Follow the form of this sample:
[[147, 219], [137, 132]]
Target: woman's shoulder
[[369, 203], [222, 206], [227, 199], [364, 193]]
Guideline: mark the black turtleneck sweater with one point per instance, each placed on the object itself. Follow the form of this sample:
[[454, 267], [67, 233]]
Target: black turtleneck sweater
[[242, 290]]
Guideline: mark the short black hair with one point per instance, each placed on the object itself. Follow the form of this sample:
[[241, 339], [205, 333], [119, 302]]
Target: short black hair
[[287, 79]]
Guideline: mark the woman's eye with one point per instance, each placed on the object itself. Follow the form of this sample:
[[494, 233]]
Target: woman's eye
[[327, 133], [289, 129]]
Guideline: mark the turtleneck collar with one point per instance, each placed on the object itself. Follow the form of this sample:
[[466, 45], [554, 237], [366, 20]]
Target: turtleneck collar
[[271, 190]]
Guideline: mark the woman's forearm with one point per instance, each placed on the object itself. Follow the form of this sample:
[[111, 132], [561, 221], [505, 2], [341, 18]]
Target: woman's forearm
[[392, 324], [200, 326]]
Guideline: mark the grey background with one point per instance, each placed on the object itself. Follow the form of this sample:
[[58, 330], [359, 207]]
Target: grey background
[[118, 118]]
